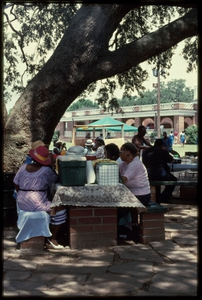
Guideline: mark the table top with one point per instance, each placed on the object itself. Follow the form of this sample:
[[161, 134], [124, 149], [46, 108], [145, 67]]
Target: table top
[[97, 196], [179, 182]]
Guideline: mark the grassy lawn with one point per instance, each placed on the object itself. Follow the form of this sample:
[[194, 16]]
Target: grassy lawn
[[186, 148]]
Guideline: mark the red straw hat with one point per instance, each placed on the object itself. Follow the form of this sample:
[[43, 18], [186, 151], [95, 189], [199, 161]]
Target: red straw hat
[[41, 155]]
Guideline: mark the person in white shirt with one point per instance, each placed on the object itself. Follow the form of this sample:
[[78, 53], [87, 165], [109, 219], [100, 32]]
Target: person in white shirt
[[134, 173], [135, 177]]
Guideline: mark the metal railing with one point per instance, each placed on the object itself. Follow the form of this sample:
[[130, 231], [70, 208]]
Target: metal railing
[[130, 109]]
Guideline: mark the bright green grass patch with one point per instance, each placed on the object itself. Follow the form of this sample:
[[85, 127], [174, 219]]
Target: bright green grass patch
[[186, 148]]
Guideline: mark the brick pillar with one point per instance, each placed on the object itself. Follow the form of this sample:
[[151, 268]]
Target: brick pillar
[[92, 227], [151, 227], [138, 121], [181, 125], [153, 193]]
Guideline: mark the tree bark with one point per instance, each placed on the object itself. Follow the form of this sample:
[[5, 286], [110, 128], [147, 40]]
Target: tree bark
[[82, 57]]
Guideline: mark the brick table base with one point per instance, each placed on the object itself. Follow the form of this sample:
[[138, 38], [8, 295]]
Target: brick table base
[[92, 227], [151, 225], [35, 243]]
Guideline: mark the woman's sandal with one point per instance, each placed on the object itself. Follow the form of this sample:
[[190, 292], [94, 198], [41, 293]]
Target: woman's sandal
[[50, 245]]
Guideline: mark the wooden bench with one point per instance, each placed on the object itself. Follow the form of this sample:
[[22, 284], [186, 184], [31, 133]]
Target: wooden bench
[[188, 190]]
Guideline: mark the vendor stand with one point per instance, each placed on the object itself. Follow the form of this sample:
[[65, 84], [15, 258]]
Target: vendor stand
[[103, 125]]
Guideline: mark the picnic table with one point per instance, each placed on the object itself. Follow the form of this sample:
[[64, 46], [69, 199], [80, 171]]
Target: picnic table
[[182, 167], [92, 212], [96, 195]]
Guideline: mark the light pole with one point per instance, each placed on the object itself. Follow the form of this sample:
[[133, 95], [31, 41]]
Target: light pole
[[156, 73]]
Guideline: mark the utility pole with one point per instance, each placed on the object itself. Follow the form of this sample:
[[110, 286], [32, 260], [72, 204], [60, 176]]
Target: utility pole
[[156, 73], [158, 105]]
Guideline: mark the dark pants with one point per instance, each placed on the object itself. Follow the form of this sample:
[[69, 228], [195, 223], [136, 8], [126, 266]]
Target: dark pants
[[162, 175], [144, 199]]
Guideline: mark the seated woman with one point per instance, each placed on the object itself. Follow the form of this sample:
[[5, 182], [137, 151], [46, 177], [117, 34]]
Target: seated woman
[[89, 146], [112, 152], [32, 183], [57, 149], [99, 148], [134, 173], [134, 176]]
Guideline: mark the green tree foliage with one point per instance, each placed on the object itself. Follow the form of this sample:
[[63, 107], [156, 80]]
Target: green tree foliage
[[191, 133], [42, 26], [172, 91], [82, 103], [39, 25], [176, 91], [66, 49]]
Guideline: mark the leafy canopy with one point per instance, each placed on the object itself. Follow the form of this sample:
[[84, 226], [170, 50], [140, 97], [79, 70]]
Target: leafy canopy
[[172, 91], [33, 31], [191, 133], [82, 103]]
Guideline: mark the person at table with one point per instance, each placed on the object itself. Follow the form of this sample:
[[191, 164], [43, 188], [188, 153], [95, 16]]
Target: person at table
[[112, 152], [29, 160], [169, 144], [108, 136], [89, 146], [135, 178], [99, 148], [88, 136], [156, 161], [57, 149], [134, 173], [139, 141], [32, 183], [99, 137]]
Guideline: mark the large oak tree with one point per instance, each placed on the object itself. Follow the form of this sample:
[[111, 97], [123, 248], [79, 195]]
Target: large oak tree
[[82, 57]]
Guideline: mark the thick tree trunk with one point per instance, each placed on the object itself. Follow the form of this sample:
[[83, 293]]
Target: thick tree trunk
[[81, 58]]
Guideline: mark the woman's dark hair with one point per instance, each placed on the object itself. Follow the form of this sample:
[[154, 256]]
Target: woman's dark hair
[[130, 147], [100, 141], [112, 151]]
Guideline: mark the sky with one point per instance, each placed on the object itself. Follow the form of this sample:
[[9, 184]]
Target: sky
[[177, 71]]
